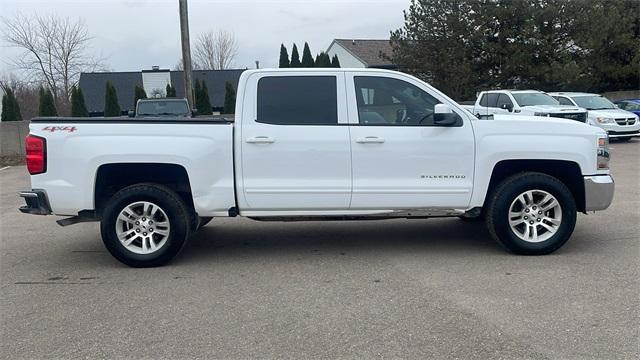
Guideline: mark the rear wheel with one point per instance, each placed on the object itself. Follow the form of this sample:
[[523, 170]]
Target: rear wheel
[[145, 225], [531, 214]]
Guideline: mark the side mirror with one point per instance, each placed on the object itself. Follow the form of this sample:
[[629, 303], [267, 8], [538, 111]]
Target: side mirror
[[508, 107], [194, 112], [131, 113], [444, 116]]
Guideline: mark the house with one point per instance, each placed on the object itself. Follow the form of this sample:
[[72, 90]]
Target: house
[[154, 82], [361, 53]]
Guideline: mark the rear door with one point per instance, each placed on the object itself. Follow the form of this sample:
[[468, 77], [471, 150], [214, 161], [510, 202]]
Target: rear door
[[295, 143]]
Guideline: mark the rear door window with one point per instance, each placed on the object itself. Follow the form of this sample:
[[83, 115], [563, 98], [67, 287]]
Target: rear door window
[[297, 100], [492, 100]]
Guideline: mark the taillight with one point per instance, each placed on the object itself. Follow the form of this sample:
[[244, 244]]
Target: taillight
[[36, 149]]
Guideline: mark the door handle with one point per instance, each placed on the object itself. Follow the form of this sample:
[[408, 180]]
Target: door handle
[[260, 140], [370, 140]]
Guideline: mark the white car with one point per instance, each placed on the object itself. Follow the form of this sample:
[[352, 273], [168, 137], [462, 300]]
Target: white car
[[524, 103], [619, 124], [317, 144]]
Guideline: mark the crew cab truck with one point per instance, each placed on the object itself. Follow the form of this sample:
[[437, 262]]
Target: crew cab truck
[[318, 144], [523, 103], [618, 123]]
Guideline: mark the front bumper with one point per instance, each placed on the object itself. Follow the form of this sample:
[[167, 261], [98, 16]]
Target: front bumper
[[37, 202], [598, 192], [623, 134]]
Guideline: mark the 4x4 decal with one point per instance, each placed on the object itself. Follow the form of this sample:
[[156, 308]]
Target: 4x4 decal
[[60, 128]]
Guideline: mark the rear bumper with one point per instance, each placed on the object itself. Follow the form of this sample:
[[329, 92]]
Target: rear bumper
[[36, 202], [598, 191]]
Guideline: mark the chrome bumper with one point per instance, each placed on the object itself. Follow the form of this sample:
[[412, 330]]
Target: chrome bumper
[[36, 202], [598, 192]]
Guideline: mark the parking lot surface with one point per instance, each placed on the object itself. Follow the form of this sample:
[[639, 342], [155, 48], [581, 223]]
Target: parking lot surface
[[366, 289]]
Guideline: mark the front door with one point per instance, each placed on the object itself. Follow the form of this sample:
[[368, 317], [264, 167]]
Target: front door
[[295, 155], [401, 160]]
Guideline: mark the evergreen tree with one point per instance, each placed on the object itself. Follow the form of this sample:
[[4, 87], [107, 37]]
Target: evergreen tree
[[197, 95], [47, 106], [111, 106], [295, 57], [138, 93], [206, 102], [10, 107], [307, 58], [170, 91], [323, 60], [78, 107], [7, 108], [284, 57], [335, 62], [229, 98]]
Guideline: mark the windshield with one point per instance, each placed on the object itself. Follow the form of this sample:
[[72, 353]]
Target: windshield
[[594, 102], [529, 99], [163, 108], [632, 106]]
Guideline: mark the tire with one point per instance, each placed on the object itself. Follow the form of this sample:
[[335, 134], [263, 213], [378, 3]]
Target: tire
[[202, 221], [166, 229], [521, 203]]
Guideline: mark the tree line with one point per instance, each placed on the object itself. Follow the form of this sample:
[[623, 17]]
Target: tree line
[[465, 46], [322, 59], [47, 105]]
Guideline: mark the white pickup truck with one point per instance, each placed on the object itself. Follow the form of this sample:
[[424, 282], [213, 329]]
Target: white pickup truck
[[523, 103], [317, 144]]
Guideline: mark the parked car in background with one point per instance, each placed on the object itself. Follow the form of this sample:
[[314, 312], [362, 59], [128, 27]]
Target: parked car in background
[[524, 102], [618, 123], [176, 108], [632, 105]]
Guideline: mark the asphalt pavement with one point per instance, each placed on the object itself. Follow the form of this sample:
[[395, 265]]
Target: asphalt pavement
[[435, 288]]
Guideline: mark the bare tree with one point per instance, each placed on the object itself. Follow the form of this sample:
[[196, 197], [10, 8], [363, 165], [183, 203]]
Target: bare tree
[[56, 50], [215, 51]]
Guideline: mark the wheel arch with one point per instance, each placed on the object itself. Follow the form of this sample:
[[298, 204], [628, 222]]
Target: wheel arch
[[112, 177], [568, 172]]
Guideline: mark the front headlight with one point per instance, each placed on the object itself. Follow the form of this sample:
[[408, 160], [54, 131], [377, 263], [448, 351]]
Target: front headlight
[[604, 120], [540, 114], [603, 153]]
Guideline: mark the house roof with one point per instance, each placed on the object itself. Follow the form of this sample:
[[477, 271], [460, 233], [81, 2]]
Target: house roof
[[368, 50], [93, 86]]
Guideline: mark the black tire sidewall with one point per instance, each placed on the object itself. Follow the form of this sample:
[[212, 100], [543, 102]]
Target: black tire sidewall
[[170, 203], [515, 187]]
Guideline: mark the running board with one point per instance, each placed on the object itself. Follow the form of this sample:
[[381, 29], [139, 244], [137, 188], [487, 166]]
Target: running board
[[83, 216], [400, 214]]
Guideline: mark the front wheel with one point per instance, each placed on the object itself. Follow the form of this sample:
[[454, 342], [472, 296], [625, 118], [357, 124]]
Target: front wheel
[[531, 214], [145, 225]]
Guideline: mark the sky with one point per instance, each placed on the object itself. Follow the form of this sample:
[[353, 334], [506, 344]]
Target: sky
[[136, 34]]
